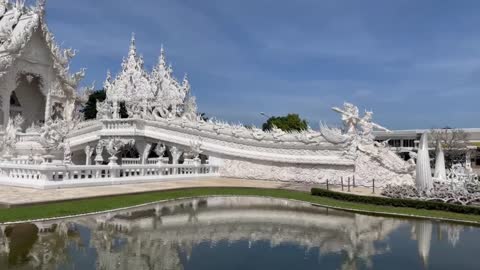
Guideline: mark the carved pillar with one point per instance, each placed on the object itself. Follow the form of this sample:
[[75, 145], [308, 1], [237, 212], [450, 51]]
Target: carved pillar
[[99, 151], [67, 154], [176, 154], [140, 145], [116, 110], [146, 152], [88, 153], [48, 105], [6, 108]]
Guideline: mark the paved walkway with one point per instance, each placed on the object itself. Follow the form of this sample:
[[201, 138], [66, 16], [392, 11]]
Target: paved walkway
[[16, 196]]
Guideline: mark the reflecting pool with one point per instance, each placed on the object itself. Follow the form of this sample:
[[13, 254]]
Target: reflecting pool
[[238, 233]]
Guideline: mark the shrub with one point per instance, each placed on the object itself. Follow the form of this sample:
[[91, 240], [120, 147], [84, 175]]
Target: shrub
[[428, 205]]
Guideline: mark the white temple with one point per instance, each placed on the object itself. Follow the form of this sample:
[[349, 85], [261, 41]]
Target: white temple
[[45, 143]]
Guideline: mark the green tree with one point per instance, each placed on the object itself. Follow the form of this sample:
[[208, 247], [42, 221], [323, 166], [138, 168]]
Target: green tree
[[291, 122], [90, 109], [454, 142]]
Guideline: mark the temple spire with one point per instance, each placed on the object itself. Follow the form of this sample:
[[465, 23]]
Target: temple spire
[[162, 60], [186, 84], [132, 83], [109, 75], [41, 6], [133, 47]]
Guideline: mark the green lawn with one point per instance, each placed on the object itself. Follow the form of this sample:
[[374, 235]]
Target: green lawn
[[107, 203]]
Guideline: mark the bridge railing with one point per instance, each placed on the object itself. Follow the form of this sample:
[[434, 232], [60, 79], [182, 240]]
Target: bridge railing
[[49, 175], [126, 123]]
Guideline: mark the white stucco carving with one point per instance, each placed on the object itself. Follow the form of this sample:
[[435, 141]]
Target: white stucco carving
[[10, 136], [160, 149], [176, 154], [162, 110], [88, 154]]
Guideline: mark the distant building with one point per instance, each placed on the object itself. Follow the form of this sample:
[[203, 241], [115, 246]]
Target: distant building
[[405, 141]]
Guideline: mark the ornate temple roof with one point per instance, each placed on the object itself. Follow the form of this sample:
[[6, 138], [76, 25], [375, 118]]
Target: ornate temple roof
[[134, 83], [18, 22], [164, 83]]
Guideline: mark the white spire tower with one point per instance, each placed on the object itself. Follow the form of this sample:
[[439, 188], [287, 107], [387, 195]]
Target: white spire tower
[[424, 180], [440, 172]]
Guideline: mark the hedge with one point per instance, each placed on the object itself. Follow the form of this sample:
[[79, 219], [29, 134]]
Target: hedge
[[428, 205]]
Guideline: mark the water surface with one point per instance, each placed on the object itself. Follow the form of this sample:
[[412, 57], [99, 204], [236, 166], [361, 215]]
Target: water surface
[[238, 233]]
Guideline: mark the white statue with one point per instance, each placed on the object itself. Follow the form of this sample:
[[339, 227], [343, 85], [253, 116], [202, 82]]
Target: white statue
[[350, 117], [176, 154], [53, 133], [367, 126], [354, 125], [67, 154], [114, 146], [196, 148], [10, 137], [413, 157]]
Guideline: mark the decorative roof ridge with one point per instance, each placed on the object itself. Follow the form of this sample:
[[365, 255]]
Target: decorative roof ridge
[[13, 46], [17, 44], [62, 57], [132, 80], [161, 70], [159, 87]]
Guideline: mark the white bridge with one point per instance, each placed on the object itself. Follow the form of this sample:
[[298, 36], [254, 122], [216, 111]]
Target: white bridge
[[184, 149], [147, 128], [224, 151]]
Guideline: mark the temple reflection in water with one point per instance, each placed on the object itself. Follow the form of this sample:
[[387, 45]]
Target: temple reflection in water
[[165, 235]]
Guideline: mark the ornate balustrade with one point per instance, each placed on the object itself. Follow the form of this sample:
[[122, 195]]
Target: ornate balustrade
[[131, 161], [54, 176], [114, 124], [138, 161], [28, 137]]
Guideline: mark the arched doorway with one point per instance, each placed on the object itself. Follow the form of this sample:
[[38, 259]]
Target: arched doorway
[[28, 100]]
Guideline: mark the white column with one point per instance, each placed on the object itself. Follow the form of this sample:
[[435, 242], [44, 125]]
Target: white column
[[48, 106], [6, 107], [146, 152], [176, 154], [99, 152], [116, 110], [88, 152]]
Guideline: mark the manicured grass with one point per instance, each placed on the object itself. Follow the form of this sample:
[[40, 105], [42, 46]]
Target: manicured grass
[[107, 203]]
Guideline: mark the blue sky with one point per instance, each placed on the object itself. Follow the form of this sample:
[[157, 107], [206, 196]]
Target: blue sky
[[416, 64]]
